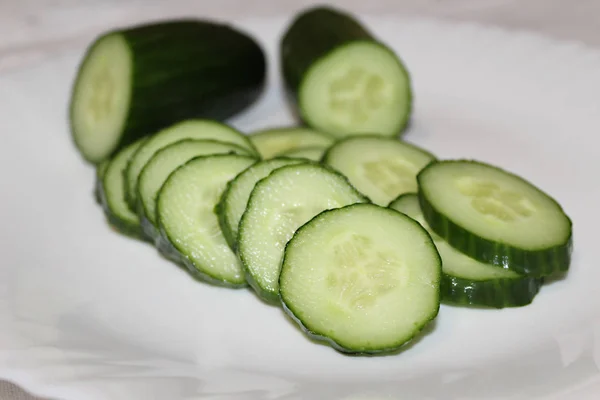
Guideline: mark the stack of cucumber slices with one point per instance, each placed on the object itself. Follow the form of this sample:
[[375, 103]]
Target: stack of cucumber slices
[[356, 233]]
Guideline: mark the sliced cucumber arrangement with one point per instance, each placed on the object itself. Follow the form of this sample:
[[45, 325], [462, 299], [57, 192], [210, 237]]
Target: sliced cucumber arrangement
[[186, 219], [279, 204], [363, 277], [276, 141], [468, 281], [357, 234], [112, 194], [235, 197], [495, 217], [135, 81], [381, 168], [191, 129], [343, 80], [313, 153], [163, 163]]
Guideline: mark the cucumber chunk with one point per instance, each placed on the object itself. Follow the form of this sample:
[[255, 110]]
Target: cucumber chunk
[[186, 219], [100, 170], [343, 80], [112, 194], [191, 129], [363, 278], [381, 168], [138, 80], [466, 281], [273, 142], [495, 217], [313, 153], [279, 204], [163, 163], [235, 197]]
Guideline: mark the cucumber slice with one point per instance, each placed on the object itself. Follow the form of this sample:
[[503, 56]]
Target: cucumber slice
[[381, 168], [163, 163], [186, 219], [364, 278], [273, 142], [313, 153], [495, 217], [344, 80], [235, 197], [100, 170], [466, 281], [279, 204], [112, 194], [191, 129], [135, 81]]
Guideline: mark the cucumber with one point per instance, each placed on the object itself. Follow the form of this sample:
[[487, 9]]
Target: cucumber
[[466, 281], [496, 217], [313, 153], [135, 81], [112, 194], [342, 79], [273, 142], [381, 168], [162, 164], [190, 129], [363, 278], [100, 170], [233, 203], [186, 219], [279, 204]]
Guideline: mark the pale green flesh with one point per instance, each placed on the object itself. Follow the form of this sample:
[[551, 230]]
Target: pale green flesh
[[166, 160], [360, 88], [313, 153], [381, 168], [454, 262], [363, 276], [113, 184], [495, 205], [279, 204], [101, 97], [273, 142], [185, 212], [239, 192], [190, 129]]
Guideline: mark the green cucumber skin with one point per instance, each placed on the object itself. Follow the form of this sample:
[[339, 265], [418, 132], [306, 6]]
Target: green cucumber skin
[[305, 42], [186, 69], [220, 212], [496, 293], [533, 263]]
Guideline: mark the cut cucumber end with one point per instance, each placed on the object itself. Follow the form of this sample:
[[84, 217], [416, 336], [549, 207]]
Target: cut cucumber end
[[362, 277], [359, 88], [101, 96]]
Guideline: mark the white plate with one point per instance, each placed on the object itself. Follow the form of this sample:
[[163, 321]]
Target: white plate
[[88, 314]]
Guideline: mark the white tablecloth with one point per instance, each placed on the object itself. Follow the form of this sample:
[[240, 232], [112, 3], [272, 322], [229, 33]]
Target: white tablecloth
[[31, 30]]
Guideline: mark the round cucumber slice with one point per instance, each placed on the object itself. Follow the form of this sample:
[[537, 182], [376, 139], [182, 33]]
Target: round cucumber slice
[[363, 278], [185, 210], [312, 153], [495, 217], [235, 197], [163, 163], [381, 168], [189, 129], [276, 141], [279, 204]]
